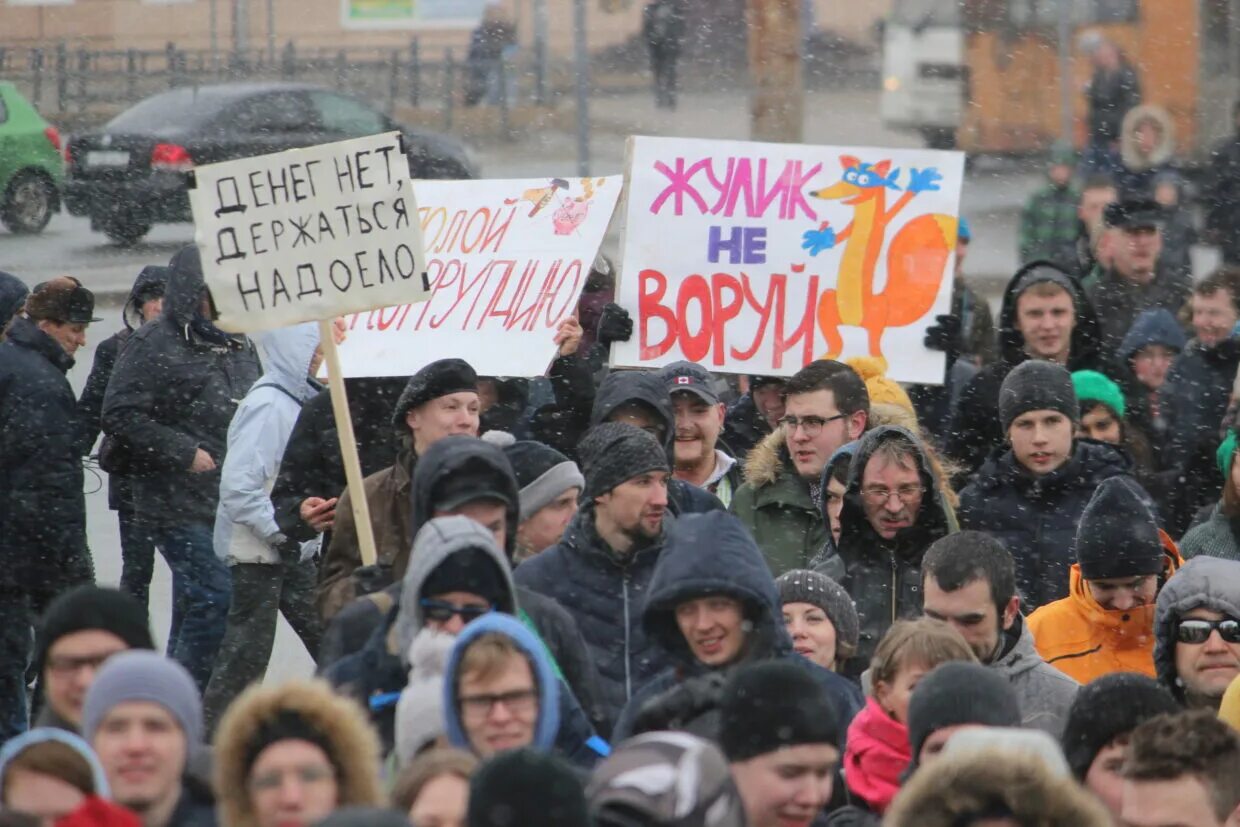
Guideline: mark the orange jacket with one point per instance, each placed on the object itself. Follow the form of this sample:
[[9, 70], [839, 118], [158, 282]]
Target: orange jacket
[[1085, 641]]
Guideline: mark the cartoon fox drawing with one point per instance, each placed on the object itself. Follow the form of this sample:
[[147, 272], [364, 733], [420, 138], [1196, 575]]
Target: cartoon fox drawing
[[917, 254]]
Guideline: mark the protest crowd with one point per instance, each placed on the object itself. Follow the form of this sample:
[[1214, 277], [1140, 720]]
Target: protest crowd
[[637, 597]]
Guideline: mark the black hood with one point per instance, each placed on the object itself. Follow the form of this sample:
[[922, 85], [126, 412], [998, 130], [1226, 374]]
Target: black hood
[[185, 286], [855, 528], [13, 292], [636, 386], [151, 276], [713, 553], [461, 458], [1086, 336]]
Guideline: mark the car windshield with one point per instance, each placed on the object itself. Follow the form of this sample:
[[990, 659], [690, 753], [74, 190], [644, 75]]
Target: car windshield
[[171, 110], [926, 13]]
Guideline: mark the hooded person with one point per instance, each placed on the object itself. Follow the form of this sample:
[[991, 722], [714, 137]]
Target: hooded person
[[43, 547], [271, 573], [49, 773], [1045, 315], [1197, 631], [665, 779], [834, 485], [754, 416], [641, 398], [878, 556], [602, 568], [173, 393], [1144, 361], [439, 401], [1104, 714], [711, 614], [302, 727], [1030, 495], [1147, 150], [469, 476], [13, 292], [144, 303], [1106, 623]]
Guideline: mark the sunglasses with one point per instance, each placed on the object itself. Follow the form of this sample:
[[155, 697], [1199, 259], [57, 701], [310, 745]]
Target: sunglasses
[[1198, 631], [441, 611]]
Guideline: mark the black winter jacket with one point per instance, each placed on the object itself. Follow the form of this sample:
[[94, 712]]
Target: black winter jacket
[[1036, 517], [975, 427], [1110, 96], [1117, 302], [605, 593], [646, 388], [42, 507], [1223, 198], [882, 576], [713, 554], [174, 390]]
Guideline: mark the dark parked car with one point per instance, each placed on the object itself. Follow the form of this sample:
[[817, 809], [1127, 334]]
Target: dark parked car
[[132, 173]]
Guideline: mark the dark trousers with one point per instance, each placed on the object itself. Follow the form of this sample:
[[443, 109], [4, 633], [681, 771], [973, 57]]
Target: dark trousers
[[137, 557], [663, 63], [259, 592], [200, 594]]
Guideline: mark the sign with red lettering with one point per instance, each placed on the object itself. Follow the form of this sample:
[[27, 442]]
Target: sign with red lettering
[[758, 258], [506, 261], [309, 233]]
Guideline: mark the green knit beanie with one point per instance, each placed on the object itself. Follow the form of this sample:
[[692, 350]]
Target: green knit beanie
[[1224, 455], [1093, 386]]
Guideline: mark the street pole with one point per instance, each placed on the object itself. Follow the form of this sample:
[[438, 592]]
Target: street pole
[[241, 28], [542, 26], [213, 25], [271, 32], [1065, 71], [777, 108], [582, 58]]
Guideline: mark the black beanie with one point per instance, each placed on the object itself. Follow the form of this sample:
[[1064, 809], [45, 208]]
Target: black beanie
[[433, 381], [1118, 535], [523, 787], [475, 478], [94, 607], [614, 452], [468, 570], [774, 704], [1107, 708], [1035, 385], [960, 692]]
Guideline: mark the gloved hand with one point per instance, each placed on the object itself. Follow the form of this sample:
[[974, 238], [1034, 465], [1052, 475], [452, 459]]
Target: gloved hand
[[944, 335], [614, 324]]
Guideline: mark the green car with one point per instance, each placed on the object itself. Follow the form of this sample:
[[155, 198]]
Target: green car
[[31, 166]]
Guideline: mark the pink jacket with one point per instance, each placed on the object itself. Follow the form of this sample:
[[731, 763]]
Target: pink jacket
[[877, 753]]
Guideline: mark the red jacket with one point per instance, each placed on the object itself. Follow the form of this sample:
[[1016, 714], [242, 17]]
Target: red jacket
[[878, 752]]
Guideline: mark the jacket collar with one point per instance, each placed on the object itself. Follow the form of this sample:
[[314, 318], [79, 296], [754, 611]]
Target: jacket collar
[[25, 333]]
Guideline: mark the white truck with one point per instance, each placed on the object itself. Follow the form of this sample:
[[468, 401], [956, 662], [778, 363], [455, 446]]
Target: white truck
[[924, 74]]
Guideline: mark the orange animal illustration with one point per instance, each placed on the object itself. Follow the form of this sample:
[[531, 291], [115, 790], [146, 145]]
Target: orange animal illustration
[[917, 254]]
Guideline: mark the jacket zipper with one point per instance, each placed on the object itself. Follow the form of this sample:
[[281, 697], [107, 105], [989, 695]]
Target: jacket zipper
[[628, 676]]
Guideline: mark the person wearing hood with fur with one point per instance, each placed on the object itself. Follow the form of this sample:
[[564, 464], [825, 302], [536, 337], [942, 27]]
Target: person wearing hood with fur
[[13, 292], [271, 573], [893, 510], [712, 613], [1197, 632], [174, 390], [145, 303], [1106, 623], [1147, 150], [1045, 316], [641, 398], [297, 729]]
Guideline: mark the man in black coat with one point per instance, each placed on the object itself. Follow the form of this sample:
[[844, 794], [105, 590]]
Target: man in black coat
[[145, 302], [172, 395], [755, 415], [1222, 201], [43, 546], [1113, 90]]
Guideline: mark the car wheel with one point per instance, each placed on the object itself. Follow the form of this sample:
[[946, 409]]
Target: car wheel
[[125, 232], [28, 203]]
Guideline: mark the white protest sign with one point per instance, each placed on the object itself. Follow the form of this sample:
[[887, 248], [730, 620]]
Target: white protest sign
[[506, 261], [758, 258], [309, 233]]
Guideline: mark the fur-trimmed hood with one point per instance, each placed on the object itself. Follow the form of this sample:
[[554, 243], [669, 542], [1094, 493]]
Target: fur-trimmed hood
[[768, 460], [1128, 141], [354, 746]]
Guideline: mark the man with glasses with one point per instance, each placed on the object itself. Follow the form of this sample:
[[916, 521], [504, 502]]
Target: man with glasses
[[1197, 631], [892, 511], [1106, 622], [826, 406]]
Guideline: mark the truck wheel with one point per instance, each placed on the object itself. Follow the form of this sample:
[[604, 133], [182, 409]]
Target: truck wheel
[[125, 232], [28, 203], [939, 137]]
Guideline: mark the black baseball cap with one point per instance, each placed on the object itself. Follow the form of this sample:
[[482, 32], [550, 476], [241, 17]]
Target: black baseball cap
[[687, 376], [1133, 215]]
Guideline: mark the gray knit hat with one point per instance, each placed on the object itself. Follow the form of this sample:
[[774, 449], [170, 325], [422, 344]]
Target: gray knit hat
[[1035, 385], [141, 675], [805, 586], [614, 452]]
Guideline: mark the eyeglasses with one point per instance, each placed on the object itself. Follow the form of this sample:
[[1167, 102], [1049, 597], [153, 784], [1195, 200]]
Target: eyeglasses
[[1198, 631], [878, 495], [65, 665], [442, 611], [522, 703], [308, 776], [812, 425]]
